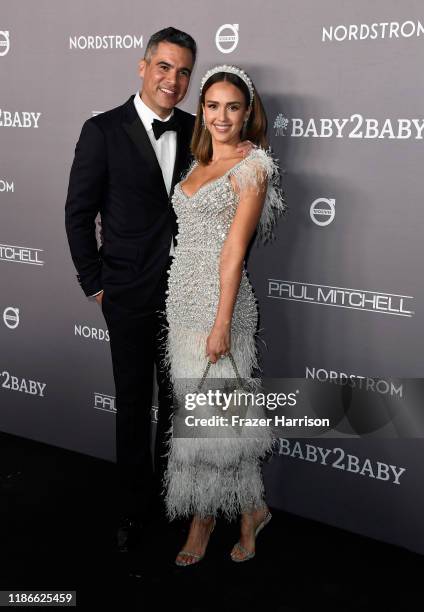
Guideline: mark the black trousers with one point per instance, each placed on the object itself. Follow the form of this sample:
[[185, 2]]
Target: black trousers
[[137, 344]]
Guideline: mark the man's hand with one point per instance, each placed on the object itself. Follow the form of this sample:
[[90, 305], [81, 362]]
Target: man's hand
[[99, 298], [245, 147]]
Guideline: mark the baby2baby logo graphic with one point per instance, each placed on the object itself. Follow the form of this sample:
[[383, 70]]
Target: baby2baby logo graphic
[[355, 126]]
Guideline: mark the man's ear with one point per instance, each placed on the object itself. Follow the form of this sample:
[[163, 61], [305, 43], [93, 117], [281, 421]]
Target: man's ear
[[141, 67]]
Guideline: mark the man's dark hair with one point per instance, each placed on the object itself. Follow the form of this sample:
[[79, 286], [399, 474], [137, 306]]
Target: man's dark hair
[[170, 35]]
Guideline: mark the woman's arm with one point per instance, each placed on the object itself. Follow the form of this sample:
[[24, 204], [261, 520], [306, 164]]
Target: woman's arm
[[232, 257]]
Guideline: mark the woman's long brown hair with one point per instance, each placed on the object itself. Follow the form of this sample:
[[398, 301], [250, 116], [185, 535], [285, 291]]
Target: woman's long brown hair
[[255, 131]]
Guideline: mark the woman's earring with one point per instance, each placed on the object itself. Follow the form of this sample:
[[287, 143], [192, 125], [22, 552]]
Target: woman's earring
[[203, 122]]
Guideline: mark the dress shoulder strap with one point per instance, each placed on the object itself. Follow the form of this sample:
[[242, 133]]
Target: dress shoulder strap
[[189, 170], [251, 172]]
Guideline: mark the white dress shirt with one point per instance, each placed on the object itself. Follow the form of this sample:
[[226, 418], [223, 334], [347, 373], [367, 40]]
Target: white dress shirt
[[165, 147]]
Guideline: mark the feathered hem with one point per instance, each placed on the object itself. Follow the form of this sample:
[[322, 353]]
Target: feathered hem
[[212, 473], [206, 489]]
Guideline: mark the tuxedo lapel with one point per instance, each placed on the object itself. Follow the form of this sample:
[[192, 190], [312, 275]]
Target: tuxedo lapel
[[134, 127], [181, 155], [178, 163]]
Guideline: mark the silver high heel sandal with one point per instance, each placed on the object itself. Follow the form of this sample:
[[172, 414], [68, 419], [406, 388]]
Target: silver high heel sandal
[[197, 557], [248, 554]]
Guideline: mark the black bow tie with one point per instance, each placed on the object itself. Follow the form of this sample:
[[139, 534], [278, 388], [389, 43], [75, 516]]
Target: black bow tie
[[159, 127]]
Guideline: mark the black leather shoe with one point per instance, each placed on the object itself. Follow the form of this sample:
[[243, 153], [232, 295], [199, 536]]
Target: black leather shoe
[[129, 531]]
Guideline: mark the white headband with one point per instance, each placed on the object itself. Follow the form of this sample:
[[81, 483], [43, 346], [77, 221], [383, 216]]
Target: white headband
[[234, 70]]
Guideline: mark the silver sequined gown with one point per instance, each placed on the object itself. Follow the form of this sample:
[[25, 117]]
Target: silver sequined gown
[[205, 475]]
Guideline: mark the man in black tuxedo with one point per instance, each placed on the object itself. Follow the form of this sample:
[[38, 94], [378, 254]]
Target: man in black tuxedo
[[126, 164]]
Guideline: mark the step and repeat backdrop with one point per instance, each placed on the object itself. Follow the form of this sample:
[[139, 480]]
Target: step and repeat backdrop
[[340, 290]]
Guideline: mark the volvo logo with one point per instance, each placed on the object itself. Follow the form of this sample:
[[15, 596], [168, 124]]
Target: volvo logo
[[4, 42], [11, 317], [323, 211], [227, 37]]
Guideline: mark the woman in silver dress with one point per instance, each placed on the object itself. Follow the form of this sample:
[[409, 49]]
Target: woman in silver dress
[[211, 309]]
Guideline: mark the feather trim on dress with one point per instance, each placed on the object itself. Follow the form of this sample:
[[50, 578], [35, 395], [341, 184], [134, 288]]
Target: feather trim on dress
[[250, 173]]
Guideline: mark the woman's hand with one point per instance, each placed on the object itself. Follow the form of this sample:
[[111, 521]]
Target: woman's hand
[[218, 342]]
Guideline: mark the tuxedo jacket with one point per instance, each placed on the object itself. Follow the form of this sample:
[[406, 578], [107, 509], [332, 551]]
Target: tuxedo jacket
[[116, 172]]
